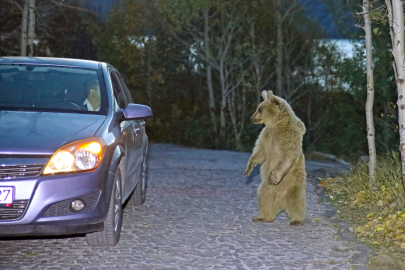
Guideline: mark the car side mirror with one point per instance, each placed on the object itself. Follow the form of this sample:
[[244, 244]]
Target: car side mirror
[[136, 111]]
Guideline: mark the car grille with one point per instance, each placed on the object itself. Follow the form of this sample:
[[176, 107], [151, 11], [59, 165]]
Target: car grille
[[16, 211], [17, 171]]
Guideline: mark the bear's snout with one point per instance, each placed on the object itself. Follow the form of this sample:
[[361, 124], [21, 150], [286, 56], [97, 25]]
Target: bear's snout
[[254, 119]]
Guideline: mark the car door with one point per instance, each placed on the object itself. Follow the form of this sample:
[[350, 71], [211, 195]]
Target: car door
[[134, 165], [139, 126], [127, 129]]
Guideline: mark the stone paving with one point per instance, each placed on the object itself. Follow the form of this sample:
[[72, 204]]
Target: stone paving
[[198, 216]]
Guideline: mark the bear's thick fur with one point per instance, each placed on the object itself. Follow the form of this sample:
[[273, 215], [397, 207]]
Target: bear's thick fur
[[279, 150]]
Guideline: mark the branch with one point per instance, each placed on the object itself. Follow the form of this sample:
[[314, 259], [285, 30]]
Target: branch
[[73, 7], [232, 69], [231, 89], [15, 3], [293, 5], [9, 34]]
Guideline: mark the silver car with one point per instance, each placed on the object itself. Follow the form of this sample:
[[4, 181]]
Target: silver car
[[72, 149]]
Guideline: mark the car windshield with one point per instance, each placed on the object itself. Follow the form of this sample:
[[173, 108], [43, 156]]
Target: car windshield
[[52, 88]]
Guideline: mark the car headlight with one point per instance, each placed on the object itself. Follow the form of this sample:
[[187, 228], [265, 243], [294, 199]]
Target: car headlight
[[77, 156]]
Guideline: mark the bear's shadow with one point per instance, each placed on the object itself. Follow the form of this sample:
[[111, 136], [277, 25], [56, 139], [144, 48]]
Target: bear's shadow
[[256, 171]]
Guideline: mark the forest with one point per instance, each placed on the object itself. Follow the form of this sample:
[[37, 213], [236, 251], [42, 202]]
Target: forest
[[202, 64]]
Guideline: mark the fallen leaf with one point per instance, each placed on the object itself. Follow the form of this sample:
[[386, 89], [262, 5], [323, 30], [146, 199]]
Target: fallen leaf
[[380, 203], [379, 229], [375, 243], [403, 245], [30, 254]]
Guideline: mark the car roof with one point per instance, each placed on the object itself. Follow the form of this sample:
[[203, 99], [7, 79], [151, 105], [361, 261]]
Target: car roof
[[67, 62]]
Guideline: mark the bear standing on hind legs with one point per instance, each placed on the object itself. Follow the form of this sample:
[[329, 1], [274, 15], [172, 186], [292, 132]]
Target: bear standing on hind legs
[[279, 150]]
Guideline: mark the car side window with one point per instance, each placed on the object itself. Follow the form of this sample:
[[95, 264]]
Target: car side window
[[118, 93], [124, 88]]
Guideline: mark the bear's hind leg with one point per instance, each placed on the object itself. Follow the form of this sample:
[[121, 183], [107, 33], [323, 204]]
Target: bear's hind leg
[[268, 205], [296, 205]]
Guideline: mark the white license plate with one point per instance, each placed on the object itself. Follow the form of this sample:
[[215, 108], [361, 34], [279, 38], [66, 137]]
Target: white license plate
[[6, 194]]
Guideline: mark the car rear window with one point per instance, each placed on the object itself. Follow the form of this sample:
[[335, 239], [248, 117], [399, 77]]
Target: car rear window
[[52, 88]]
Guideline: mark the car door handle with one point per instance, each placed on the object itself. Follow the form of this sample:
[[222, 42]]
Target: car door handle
[[137, 131]]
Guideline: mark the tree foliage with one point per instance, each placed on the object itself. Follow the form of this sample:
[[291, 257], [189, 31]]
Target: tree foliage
[[159, 47]]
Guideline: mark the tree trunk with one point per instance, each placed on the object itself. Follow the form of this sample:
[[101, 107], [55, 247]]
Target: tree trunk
[[398, 52], [237, 105], [223, 101], [370, 97], [256, 67], [309, 123], [258, 82], [211, 98], [148, 45], [389, 12], [279, 67], [24, 30], [31, 26], [288, 91], [232, 101]]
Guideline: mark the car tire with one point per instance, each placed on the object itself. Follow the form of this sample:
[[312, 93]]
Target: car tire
[[112, 225], [138, 196]]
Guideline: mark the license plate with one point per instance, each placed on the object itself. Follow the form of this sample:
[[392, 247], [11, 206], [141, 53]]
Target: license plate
[[6, 194]]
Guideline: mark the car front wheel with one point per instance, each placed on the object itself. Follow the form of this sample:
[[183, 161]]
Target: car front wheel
[[112, 225]]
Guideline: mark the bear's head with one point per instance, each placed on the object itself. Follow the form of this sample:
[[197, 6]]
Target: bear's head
[[268, 112]]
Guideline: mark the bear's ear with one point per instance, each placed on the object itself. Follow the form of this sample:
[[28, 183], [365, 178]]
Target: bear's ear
[[264, 94], [270, 94]]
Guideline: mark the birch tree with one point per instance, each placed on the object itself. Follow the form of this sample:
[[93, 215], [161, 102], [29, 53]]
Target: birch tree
[[216, 48], [50, 22], [28, 27], [370, 95], [396, 20], [260, 59], [281, 11], [230, 27], [24, 27], [31, 26], [279, 67], [211, 98]]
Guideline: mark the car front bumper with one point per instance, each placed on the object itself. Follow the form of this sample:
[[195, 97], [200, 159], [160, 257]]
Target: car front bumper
[[48, 209]]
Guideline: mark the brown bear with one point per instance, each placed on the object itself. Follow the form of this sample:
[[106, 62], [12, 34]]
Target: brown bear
[[279, 150]]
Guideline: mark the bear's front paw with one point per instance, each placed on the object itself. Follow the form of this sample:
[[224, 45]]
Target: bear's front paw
[[273, 179], [249, 170]]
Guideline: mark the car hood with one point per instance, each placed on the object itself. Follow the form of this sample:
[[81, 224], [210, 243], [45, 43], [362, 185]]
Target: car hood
[[42, 133]]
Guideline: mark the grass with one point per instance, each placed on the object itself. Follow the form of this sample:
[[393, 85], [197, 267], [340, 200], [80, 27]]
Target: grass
[[378, 215]]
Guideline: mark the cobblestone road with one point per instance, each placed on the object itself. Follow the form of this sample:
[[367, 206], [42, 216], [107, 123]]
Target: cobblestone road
[[197, 216]]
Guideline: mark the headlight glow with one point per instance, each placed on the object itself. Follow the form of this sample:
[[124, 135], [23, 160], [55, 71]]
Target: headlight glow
[[81, 155], [94, 147], [64, 161]]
